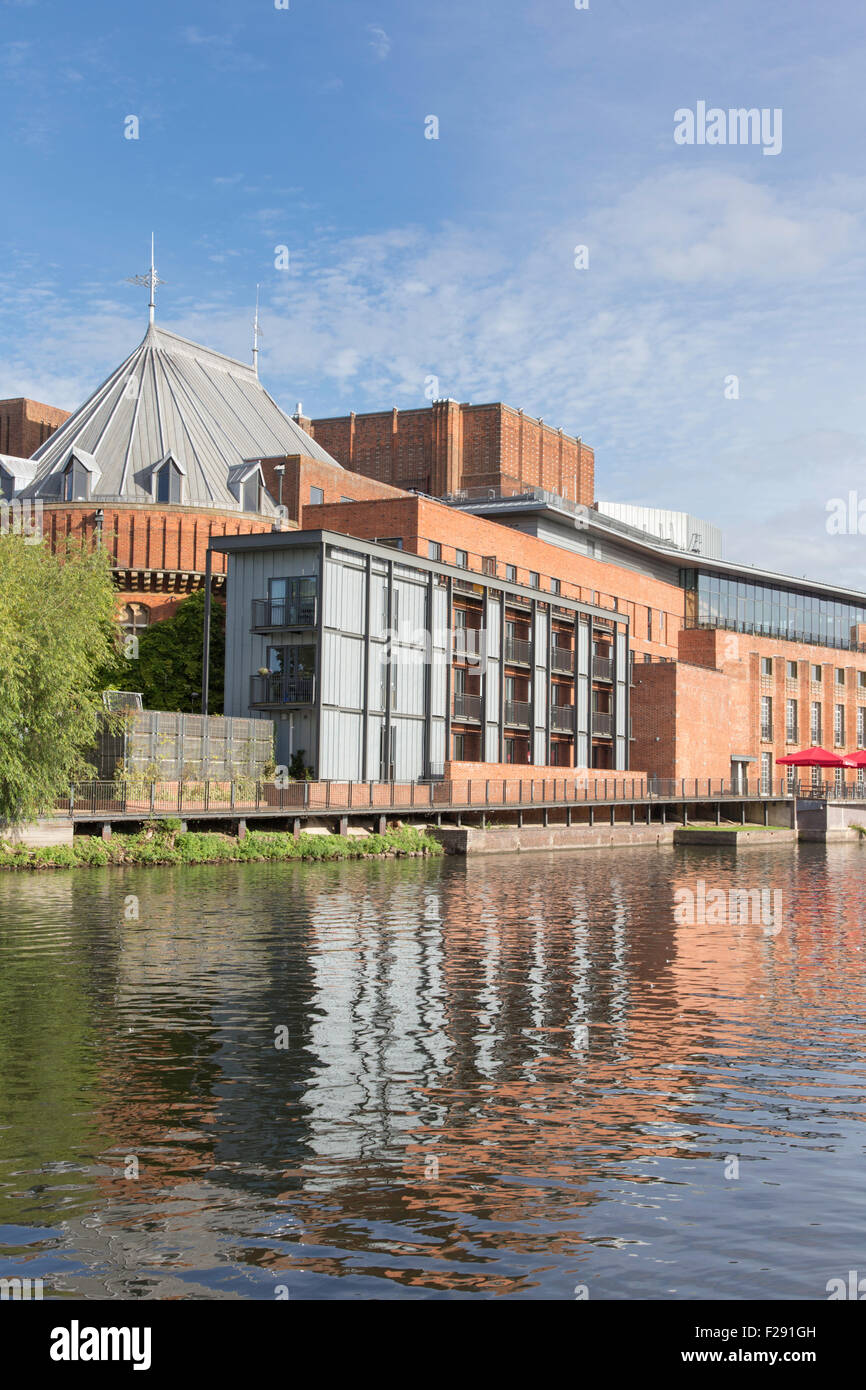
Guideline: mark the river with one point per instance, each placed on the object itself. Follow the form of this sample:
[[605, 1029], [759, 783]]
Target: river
[[522, 1076]]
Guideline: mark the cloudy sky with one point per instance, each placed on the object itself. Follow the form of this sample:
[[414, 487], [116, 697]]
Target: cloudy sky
[[408, 257]]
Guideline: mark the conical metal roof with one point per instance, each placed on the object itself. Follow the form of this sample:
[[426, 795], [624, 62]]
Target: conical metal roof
[[172, 397]]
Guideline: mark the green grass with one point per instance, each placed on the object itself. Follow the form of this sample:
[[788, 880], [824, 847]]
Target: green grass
[[160, 843]]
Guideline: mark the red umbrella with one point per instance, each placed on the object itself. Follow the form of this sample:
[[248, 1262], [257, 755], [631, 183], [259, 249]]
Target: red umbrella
[[855, 759], [813, 757]]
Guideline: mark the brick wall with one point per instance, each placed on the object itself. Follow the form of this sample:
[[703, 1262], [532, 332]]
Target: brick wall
[[302, 473], [448, 446], [25, 424], [150, 537]]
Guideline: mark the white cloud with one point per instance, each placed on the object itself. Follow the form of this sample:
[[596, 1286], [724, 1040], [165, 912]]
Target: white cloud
[[379, 41]]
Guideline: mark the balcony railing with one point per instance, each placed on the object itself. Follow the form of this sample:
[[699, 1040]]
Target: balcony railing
[[518, 713], [467, 641], [467, 707], [602, 723], [602, 668], [518, 651], [562, 718], [281, 690], [275, 613], [562, 659]]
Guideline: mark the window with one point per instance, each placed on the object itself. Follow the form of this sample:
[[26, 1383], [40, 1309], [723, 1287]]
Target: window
[[647, 658], [76, 482], [818, 674], [533, 579], [766, 718], [840, 675], [791, 721], [840, 781], [556, 588], [861, 726], [661, 626], [434, 550], [168, 482], [347, 499], [815, 730], [461, 559], [792, 670], [766, 666], [135, 618], [766, 773], [649, 625], [395, 541], [251, 491], [839, 725], [459, 748], [488, 565], [861, 679], [317, 496], [511, 573]]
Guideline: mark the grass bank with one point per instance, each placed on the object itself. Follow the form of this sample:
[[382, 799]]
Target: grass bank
[[163, 842]]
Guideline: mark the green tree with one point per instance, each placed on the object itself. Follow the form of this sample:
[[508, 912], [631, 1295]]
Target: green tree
[[58, 632], [168, 667]]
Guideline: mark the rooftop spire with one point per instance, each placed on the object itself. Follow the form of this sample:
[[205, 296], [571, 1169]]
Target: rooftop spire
[[256, 333], [151, 280]]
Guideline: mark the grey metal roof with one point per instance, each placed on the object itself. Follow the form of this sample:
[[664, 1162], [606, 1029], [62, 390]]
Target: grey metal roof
[[172, 396], [21, 471]]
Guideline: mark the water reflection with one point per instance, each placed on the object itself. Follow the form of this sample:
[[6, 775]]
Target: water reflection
[[501, 1076]]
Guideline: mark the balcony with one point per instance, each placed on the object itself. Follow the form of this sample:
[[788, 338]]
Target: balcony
[[562, 660], [562, 718], [602, 668], [467, 641], [467, 708], [602, 723], [518, 713], [266, 692], [270, 614], [518, 651]]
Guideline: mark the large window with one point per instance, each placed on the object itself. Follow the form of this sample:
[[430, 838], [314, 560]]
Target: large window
[[251, 493], [771, 611], [766, 718]]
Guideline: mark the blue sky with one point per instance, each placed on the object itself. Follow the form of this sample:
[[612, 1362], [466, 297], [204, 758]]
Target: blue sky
[[261, 127]]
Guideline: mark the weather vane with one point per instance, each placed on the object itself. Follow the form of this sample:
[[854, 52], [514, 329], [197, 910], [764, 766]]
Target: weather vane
[[151, 280]]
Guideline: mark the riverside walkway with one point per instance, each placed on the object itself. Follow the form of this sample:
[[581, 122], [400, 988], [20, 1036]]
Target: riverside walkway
[[567, 800]]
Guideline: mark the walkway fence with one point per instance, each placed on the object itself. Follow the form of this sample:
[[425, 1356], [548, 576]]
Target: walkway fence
[[245, 797]]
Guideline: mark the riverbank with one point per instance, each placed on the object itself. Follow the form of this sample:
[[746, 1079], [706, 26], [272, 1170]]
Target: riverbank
[[163, 842]]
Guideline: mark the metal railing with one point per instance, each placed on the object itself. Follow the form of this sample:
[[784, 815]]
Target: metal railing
[[518, 713], [467, 641], [282, 690], [467, 706], [562, 718], [518, 651], [602, 668], [562, 660], [227, 799], [275, 613], [602, 723]]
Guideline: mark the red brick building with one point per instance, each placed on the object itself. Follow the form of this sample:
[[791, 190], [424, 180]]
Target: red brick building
[[448, 447], [25, 425]]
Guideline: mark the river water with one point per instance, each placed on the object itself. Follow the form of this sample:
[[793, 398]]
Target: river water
[[531, 1076]]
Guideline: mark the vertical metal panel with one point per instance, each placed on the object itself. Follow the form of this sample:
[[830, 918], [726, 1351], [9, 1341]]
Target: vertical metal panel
[[408, 748], [621, 698], [342, 673], [583, 666], [341, 745]]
